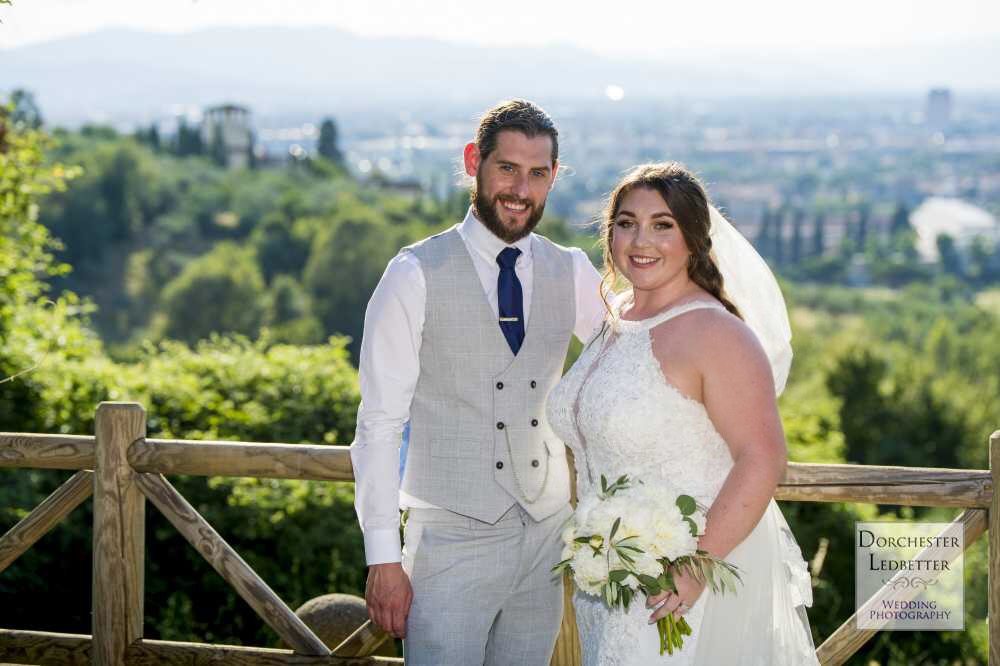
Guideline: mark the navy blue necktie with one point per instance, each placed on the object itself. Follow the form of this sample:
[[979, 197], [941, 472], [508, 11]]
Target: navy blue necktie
[[510, 299]]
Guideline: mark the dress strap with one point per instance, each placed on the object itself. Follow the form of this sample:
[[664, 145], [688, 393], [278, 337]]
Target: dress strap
[[670, 313]]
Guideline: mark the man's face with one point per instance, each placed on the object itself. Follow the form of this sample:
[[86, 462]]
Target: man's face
[[511, 183]]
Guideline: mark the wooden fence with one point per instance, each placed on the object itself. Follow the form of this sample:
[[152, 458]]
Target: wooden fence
[[122, 468]]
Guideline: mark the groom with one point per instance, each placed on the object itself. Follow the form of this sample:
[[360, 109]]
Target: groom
[[464, 336]]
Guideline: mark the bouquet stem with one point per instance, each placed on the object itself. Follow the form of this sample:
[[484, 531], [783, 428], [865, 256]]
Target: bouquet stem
[[672, 632]]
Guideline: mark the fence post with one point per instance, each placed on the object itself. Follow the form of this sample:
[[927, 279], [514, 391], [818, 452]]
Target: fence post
[[119, 525], [567, 650], [993, 577]]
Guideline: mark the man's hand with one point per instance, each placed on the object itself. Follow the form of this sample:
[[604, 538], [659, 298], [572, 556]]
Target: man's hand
[[389, 594]]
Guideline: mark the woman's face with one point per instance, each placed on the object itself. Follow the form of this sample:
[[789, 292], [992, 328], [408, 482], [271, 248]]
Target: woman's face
[[647, 245]]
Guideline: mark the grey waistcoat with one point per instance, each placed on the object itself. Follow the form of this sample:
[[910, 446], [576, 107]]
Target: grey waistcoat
[[479, 439]]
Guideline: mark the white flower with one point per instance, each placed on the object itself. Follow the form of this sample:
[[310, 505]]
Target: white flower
[[699, 520], [590, 571], [601, 517], [651, 529], [568, 534], [582, 514], [638, 520], [672, 536], [647, 565]]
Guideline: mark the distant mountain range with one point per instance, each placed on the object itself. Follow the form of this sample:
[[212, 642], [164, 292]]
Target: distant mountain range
[[127, 75]]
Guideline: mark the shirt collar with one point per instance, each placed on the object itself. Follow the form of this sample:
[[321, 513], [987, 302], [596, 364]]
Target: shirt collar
[[482, 240]]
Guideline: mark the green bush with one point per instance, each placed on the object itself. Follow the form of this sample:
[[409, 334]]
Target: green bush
[[302, 537]]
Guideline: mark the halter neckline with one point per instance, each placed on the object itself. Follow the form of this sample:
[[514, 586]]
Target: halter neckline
[[662, 316]]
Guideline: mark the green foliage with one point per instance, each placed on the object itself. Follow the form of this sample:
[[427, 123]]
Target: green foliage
[[900, 221], [280, 250], [217, 147], [328, 147], [344, 267], [33, 328], [25, 246], [891, 420], [951, 260], [216, 293], [889, 378], [188, 141], [139, 219], [25, 109], [302, 537], [288, 313]]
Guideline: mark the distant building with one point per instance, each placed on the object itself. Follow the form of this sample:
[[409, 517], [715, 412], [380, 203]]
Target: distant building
[[954, 217], [938, 112], [227, 135]]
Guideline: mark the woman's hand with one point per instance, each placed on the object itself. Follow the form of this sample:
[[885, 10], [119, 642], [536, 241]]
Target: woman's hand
[[678, 603]]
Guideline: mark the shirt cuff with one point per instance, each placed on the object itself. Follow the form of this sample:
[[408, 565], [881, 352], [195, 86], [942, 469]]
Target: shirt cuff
[[382, 546]]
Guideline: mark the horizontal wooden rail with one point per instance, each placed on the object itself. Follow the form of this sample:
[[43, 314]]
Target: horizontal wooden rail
[[21, 449], [908, 486], [267, 460], [41, 647], [843, 643], [154, 653], [230, 565], [45, 516]]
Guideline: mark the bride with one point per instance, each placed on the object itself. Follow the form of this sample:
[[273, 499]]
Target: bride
[[680, 386]]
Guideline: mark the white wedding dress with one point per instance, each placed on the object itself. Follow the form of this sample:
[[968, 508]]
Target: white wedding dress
[[620, 415]]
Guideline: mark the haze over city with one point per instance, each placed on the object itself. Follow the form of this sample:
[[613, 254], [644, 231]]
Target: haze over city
[[645, 28]]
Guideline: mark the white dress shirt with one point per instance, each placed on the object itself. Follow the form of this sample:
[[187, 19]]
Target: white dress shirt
[[390, 365]]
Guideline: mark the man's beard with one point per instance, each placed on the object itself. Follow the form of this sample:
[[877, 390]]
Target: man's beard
[[485, 210]]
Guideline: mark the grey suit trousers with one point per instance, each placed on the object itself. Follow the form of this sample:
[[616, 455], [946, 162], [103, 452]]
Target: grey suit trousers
[[482, 593]]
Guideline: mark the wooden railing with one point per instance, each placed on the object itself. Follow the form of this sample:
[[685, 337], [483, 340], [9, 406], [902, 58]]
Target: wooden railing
[[128, 468]]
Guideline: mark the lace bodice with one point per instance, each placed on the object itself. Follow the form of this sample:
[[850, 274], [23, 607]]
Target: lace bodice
[[620, 415]]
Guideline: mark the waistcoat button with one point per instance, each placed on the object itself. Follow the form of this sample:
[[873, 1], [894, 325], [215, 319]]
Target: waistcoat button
[[499, 386], [534, 463], [534, 423], [499, 464], [499, 425], [533, 383]]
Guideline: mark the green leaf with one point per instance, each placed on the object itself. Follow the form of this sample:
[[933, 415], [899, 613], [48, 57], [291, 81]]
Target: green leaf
[[666, 581], [614, 528], [692, 525], [647, 581], [686, 504], [563, 565], [618, 575]]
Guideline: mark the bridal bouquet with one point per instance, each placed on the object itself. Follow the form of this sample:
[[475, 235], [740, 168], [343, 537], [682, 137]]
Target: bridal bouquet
[[632, 538]]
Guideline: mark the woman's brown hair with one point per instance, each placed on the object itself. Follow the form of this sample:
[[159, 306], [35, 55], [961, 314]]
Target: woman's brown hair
[[688, 202]]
